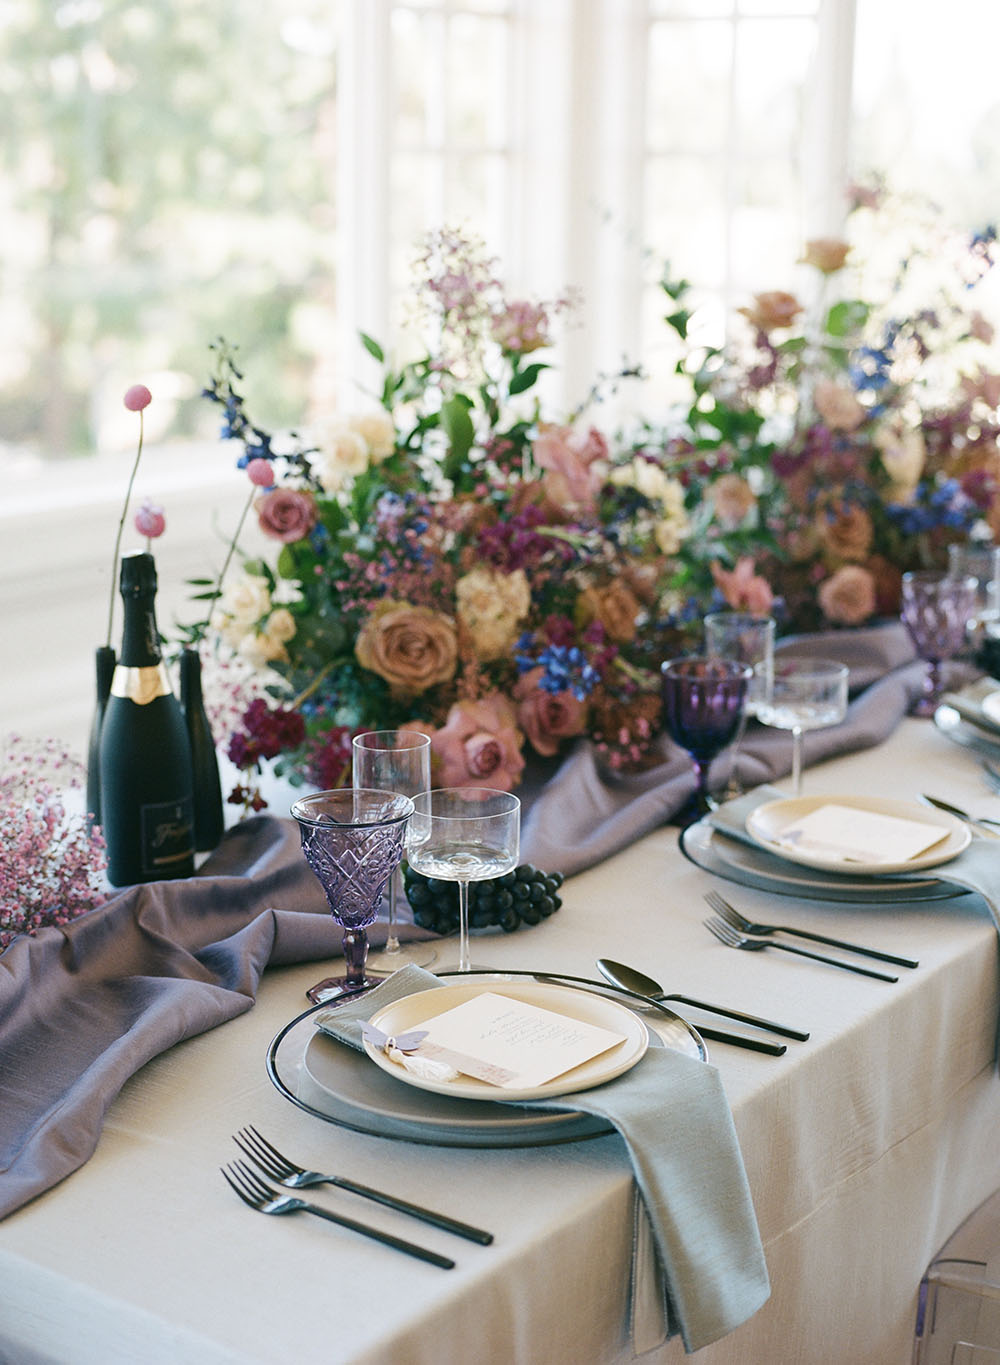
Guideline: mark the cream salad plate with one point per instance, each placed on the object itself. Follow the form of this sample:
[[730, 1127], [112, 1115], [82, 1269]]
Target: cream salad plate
[[860, 834], [508, 1041]]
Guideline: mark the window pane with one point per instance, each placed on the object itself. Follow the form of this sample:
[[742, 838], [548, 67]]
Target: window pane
[[688, 75], [166, 171]]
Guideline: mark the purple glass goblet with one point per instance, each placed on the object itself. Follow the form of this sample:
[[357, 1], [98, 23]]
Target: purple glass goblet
[[353, 840], [936, 608], [703, 702]]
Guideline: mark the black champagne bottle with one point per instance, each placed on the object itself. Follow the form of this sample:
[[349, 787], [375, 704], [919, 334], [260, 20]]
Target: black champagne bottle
[[208, 817], [146, 775]]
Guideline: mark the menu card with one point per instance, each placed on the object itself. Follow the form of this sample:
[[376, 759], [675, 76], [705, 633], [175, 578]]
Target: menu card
[[511, 1044], [860, 836]]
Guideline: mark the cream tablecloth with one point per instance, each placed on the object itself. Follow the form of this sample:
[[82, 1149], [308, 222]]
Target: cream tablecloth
[[865, 1147]]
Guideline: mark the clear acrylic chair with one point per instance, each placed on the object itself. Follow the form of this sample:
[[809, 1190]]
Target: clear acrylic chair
[[958, 1315]]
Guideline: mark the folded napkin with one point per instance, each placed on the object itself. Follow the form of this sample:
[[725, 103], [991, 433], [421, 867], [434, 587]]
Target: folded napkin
[[583, 814], [674, 1119], [82, 1008]]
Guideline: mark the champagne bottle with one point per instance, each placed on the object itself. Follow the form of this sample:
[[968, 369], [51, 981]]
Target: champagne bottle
[[146, 776], [105, 672], [208, 819]]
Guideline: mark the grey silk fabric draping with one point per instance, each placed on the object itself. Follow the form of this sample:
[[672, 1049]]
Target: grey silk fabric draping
[[82, 1008]]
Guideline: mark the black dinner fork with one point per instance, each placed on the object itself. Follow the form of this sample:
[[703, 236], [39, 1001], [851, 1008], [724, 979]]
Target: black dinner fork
[[726, 934], [274, 1164], [257, 1194], [746, 926]]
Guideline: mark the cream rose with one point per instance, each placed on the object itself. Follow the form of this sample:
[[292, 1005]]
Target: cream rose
[[903, 454], [244, 601], [280, 625], [342, 455], [491, 606], [378, 433], [412, 648]]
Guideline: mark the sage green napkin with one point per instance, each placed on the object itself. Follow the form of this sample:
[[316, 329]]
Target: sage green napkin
[[673, 1116]]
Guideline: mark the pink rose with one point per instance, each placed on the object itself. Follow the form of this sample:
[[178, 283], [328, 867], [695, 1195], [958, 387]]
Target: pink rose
[[547, 717], [479, 745], [743, 589], [848, 596], [286, 514], [571, 463]]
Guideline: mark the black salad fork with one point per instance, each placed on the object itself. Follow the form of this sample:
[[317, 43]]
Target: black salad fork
[[265, 1155], [257, 1194], [726, 934], [746, 926]]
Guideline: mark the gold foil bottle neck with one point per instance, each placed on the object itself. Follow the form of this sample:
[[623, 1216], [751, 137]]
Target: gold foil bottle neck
[[141, 685]]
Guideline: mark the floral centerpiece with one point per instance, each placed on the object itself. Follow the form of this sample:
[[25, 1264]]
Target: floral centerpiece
[[855, 432], [452, 560], [455, 560]]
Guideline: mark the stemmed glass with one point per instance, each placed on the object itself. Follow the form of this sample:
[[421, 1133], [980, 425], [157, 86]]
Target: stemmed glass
[[396, 761], [936, 609], [352, 839], [702, 707], [975, 559], [804, 694], [750, 640], [464, 834]]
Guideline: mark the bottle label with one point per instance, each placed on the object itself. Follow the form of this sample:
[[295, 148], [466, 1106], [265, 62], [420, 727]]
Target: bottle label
[[141, 685], [167, 835]]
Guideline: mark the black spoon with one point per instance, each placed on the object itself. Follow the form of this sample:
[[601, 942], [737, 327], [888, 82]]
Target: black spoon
[[631, 980]]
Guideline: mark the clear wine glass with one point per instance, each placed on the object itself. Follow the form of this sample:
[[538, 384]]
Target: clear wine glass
[[804, 694], [395, 761], [981, 561], [749, 640], [463, 835], [352, 839], [936, 609], [702, 708]]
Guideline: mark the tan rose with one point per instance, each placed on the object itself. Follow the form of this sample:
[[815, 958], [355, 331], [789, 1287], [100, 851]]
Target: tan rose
[[280, 625], [838, 406], [826, 253], [772, 309], [616, 607], [491, 606], [845, 530], [848, 597], [412, 648], [732, 498]]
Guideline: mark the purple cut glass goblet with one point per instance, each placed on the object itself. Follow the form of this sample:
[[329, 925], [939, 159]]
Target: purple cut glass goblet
[[703, 702], [936, 608], [353, 841]]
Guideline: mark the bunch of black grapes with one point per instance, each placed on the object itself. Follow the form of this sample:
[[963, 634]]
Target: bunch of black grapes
[[524, 896]]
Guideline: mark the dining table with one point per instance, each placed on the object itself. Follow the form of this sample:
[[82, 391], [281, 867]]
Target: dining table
[[865, 1146]]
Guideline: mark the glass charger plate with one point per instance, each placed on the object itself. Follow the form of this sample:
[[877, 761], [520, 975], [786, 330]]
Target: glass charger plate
[[342, 1086], [750, 865]]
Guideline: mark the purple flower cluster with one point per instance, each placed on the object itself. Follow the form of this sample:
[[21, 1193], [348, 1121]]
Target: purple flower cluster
[[267, 732], [517, 544], [52, 860]]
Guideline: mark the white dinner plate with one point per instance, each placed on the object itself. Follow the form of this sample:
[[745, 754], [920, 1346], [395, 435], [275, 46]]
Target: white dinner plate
[[413, 1010], [766, 824]]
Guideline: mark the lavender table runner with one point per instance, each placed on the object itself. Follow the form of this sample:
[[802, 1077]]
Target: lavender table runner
[[84, 1007]]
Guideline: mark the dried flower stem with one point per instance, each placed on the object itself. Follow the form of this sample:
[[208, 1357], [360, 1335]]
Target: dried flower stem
[[121, 528]]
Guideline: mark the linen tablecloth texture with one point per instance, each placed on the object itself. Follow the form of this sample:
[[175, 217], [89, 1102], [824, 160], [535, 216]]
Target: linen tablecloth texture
[[673, 1116]]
